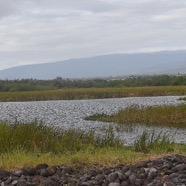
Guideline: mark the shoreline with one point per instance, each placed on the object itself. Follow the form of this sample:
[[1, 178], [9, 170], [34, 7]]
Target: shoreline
[[165, 170]]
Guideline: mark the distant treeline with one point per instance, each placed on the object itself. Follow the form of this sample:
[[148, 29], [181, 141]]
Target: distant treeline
[[60, 83]]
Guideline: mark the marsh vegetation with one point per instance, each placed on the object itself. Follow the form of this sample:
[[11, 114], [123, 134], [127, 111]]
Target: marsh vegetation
[[166, 115], [92, 93], [28, 144]]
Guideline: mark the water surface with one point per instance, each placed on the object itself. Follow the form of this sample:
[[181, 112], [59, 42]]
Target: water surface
[[70, 114]]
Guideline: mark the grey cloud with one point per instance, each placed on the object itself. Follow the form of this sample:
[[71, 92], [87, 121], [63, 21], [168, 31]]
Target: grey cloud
[[81, 5], [49, 30], [8, 8]]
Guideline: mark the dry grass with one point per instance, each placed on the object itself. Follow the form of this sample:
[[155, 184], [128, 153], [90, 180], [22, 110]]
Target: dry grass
[[92, 93]]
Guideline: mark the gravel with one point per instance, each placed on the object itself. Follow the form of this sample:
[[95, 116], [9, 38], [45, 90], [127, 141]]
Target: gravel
[[164, 171]]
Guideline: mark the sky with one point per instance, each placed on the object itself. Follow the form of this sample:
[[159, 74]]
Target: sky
[[40, 31]]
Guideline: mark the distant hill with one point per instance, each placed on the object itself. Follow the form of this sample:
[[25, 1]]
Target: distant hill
[[103, 66]]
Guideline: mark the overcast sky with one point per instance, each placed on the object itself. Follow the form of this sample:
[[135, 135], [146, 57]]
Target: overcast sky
[[39, 31]]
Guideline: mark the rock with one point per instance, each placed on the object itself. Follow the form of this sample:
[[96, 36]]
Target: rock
[[92, 183], [114, 184], [99, 178], [138, 182], [152, 169], [22, 183], [37, 180], [152, 175], [9, 180], [128, 173], [84, 184], [85, 177], [48, 182], [4, 173], [15, 182], [124, 183], [44, 173], [20, 172], [180, 167], [31, 171], [112, 177], [51, 170], [93, 173], [141, 164], [132, 178], [165, 171], [169, 184], [41, 166], [182, 176], [121, 177], [173, 175]]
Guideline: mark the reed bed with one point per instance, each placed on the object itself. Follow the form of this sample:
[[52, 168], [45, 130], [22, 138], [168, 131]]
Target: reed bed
[[92, 93], [170, 116], [32, 143], [29, 144], [41, 138], [153, 141]]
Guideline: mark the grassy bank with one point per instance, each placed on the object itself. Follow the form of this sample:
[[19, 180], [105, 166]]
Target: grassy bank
[[92, 93], [23, 145], [171, 116]]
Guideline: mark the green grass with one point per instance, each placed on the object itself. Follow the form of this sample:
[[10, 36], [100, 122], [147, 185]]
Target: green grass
[[92, 93], [40, 138], [170, 116], [153, 141], [28, 144]]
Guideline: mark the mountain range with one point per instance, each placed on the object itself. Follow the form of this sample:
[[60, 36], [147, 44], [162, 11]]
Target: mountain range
[[167, 62]]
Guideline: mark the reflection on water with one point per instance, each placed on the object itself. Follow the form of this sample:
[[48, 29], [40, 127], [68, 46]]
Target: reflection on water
[[70, 114]]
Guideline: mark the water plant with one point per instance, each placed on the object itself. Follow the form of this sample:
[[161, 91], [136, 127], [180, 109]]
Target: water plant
[[163, 115], [154, 141], [38, 137], [27, 144]]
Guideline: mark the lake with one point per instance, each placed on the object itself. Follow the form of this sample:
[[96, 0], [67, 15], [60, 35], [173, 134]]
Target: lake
[[69, 114]]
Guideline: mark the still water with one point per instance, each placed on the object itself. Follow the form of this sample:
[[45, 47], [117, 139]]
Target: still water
[[70, 114]]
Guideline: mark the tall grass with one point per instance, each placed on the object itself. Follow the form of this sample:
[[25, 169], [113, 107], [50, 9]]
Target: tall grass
[[33, 143], [40, 138], [92, 93], [169, 115], [153, 141]]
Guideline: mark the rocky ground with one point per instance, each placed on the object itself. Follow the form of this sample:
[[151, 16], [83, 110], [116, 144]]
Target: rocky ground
[[165, 171]]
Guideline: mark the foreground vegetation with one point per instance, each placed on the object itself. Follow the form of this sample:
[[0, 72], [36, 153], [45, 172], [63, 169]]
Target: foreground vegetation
[[29, 144], [92, 93], [61, 83], [166, 115]]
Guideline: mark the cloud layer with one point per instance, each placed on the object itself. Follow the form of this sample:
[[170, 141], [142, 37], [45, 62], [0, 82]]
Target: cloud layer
[[38, 31]]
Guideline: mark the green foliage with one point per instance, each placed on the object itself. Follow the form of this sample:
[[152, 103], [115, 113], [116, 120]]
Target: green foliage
[[37, 137], [153, 142], [25, 145], [61, 83], [110, 141]]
